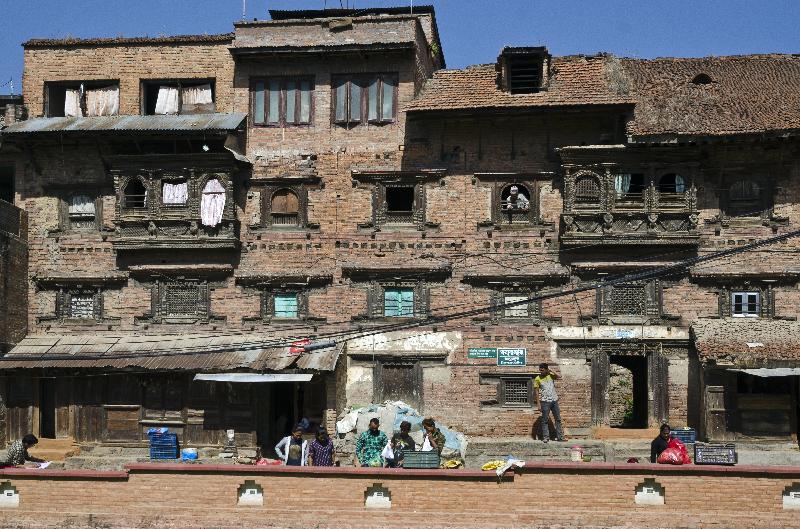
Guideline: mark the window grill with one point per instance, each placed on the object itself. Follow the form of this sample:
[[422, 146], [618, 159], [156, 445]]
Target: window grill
[[516, 392], [182, 299], [81, 306], [587, 189], [524, 75], [628, 299]]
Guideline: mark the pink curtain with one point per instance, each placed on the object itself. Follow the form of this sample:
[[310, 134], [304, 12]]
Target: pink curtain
[[212, 204]]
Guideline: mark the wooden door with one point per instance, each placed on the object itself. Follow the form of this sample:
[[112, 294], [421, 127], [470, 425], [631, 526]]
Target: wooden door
[[658, 388], [398, 381], [600, 377], [717, 415]]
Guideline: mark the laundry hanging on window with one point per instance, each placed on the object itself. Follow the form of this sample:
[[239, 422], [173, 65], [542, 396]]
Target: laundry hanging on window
[[72, 102], [212, 204], [167, 101], [197, 99], [175, 193], [622, 184], [81, 205], [102, 101]]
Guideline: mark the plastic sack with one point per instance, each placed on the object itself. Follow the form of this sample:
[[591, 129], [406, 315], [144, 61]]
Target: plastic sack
[[426, 446], [670, 456], [388, 453], [681, 448]]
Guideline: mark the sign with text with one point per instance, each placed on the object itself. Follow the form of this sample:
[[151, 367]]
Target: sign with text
[[481, 352], [512, 357]]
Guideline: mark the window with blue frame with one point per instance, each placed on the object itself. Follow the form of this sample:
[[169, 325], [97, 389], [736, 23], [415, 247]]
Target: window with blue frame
[[398, 302], [285, 306]]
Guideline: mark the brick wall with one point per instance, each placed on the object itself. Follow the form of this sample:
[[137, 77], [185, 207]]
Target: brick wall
[[561, 495], [13, 275]]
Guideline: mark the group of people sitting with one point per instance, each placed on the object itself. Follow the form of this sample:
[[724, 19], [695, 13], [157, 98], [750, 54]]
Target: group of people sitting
[[373, 447]]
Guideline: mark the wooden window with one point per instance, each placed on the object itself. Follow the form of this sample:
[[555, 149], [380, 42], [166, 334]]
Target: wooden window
[[629, 186], [134, 194], [81, 212], [745, 304], [282, 101], [515, 392], [516, 311], [672, 183], [285, 305], [82, 98], [285, 208], [362, 99], [398, 302], [747, 198], [400, 204], [181, 299], [633, 299], [587, 189], [398, 380], [174, 192], [515, 203], [524, 74], [79, 303]]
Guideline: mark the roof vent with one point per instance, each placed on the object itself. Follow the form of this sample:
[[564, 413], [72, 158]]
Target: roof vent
[[522, 70], [701, 79]]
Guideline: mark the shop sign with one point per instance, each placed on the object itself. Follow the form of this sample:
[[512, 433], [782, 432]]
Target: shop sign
[[482, 352], [512, 357]]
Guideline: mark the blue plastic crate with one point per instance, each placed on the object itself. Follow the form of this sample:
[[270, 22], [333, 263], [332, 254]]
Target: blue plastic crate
[[164, 439], [684, 435], [163, 452]]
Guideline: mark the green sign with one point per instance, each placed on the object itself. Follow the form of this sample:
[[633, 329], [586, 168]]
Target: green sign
[[512, 357], [481, 352]]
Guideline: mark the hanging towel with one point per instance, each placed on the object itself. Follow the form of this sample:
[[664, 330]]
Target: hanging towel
[[176, 194], [72, 103], [167, 100], [212, 204]]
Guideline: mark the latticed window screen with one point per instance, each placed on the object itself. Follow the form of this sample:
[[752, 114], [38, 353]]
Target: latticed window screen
[[628, 299], [182, 299], [81, 305], [398, 302], [587, 189], [516, 391]]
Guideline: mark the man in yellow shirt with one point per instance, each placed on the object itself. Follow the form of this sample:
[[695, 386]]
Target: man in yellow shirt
[[544, 394]]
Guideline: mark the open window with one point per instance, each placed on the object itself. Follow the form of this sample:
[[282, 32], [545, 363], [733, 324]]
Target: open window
[[515, 198], [282, 101], [81, 212], [78, 303], [7, 184], [174, 192], [629, 186], [746, 198], [134, 194], [672, 183], [400, 204], [362, 99], [191, 96], [77, 99]]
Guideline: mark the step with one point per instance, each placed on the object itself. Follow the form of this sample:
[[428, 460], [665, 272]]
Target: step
[[607, 433]]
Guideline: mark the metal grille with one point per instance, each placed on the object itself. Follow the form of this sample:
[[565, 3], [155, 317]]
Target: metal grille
[[628, 299], [81, 306], [587, 189], [515, 391], [182, 299]]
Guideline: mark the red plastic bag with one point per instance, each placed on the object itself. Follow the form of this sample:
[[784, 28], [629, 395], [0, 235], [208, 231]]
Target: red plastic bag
[[677, 443]]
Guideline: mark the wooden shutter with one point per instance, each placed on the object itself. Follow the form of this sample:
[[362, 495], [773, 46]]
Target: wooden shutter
[[98, 212], [600, 374], [391, 302], [406, 302], [658, 382]]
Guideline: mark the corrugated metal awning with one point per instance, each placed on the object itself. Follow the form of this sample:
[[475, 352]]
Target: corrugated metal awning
[[194, 352], [179, 123], [253, 377], [771, 372]]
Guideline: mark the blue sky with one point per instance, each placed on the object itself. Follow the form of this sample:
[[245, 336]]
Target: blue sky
[[472, 31]]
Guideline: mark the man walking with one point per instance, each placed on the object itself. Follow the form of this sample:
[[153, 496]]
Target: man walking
[[547, 397]]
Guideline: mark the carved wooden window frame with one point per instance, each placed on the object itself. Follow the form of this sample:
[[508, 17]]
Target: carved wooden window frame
[[497, 299], [766, 300], [65, 221], [283, 121], [762, 205], [505, 393], [267, 192], [501, 215], [381, 217], [267, 302], [651, 300], [160, 291], [376, 297], [361, 82], [64, 297]]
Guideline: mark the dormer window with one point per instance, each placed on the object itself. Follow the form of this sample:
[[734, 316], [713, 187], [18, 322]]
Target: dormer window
[[523, 70]]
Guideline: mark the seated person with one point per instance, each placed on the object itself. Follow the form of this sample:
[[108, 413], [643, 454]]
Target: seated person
[[18, 451], [401, 443], [659, 444]]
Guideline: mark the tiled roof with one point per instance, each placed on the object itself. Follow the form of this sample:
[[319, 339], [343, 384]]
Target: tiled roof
[[575, 80], [748, 342], [747, 94], [136, 41]]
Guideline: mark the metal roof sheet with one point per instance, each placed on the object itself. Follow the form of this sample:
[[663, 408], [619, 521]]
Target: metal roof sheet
[[164, 352], [180, 123]]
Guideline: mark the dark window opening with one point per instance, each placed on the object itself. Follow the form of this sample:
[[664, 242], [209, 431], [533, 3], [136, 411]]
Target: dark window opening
[[399, 199], [524, 75], [516, 392], [751, 384], [515, 198], [282, 101], [745, 199], [285, 208], [672, 183], [134, 195], [627, 391], [365, 99], [178, 97], [7, 184], [629, 185], [701, 79], [81, 99]]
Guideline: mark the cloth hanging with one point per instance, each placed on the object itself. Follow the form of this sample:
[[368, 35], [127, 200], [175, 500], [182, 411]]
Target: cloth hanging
[[72, 103], [680, 184], [197, 99], [622, 184], [177, 193], [81, 205], [167, 100], [212, 204], [102, 101]]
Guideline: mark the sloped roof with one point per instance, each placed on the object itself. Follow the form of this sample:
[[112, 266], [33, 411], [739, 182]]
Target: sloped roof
[[747, 94], [574, 80], [127, 41], [748, 342], [179, 123], [200, 352]]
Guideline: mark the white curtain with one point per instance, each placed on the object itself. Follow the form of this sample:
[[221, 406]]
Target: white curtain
[[212, 204], [167, 100], [102, 101], [622, 183], [177, 193], [72, 103], [680, 184], [81, 205], [196, 95]]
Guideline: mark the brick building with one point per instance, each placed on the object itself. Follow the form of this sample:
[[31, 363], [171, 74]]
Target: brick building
[[198, 203]]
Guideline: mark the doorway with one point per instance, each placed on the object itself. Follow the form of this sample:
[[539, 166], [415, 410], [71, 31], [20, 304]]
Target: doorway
[[47, 408], [627, 392], [7, 184]]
